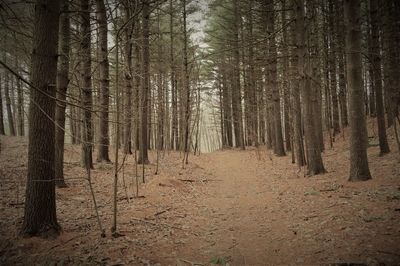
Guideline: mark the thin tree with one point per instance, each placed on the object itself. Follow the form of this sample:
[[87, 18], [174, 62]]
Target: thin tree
[[279, 149], [86, 84], [377, 77], [20, 109], [332, 66], [236, 89], [40, 203], [62, 86], [10, 118], [144, 94], [359, 170], [104, 140], [295, 93], [2, 131], [187, 86]]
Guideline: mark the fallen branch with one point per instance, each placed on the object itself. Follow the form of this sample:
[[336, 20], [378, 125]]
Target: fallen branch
[[388, 253], [328, 190]]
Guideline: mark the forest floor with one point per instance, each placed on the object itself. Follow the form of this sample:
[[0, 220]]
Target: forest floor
[[227, 207]]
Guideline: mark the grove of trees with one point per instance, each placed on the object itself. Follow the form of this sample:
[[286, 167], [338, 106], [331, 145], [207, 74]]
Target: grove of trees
[[130, 76]]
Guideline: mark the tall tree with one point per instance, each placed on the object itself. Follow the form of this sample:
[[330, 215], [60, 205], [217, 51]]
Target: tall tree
[[40, 203], [295, 93], [332, 66], [359, 169], [236, 89], [186, 84], [286, 82], [279, 149], [62, 86], [20, 109], [2, 131], [377, 77], [104, 140], [341, 63], [10, 118], [128, 48], [307, 70], [86, 83], [174, 82], [144, 93]]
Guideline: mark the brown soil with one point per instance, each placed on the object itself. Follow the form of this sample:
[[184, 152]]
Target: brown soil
[[235, 207]]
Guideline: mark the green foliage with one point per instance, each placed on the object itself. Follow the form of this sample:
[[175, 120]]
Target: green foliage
[[218, 261]]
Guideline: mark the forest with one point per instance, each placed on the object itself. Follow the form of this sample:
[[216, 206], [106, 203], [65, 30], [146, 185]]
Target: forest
[[199, 132]]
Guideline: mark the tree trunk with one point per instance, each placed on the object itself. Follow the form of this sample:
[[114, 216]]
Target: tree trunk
[[227, 99], [186, 84], [40, 203], [359, 169], [279, 149], [377, 77], [143, 143], [296, 111], [128, 85], [104, 140], [86, 85], [137, 84], [341, 64], [10, 119], [2, 131], [307, 65], [20, 109], [332, 67], [391, 39], [236, 94], [286, 82], [62, 87]]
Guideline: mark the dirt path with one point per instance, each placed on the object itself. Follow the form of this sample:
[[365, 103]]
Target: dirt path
[[236, 225], [239, 207], [259, 212]]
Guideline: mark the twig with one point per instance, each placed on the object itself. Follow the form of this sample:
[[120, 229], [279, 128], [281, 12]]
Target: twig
[[388, 252], [192, 263], [63, 243], [327, 190], [156, 224], [161, 212], [102, 232]]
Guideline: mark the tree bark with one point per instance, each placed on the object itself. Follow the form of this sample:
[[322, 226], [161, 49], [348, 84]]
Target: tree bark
[[359, 170], [2, 131], [286, 82], [307, 65], [332, 67], [143, 144], [86, 85], [104, 140], [341, 64], [20, 109], [296, 111], [62, 87], [40, 203], [377, 77], [279, 149], [236, 94], [10, 118], [187, 84], [128, 85]]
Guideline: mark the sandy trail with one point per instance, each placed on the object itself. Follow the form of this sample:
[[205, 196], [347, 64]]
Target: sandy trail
[[236, 224], [259, 212], [240, 207]]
